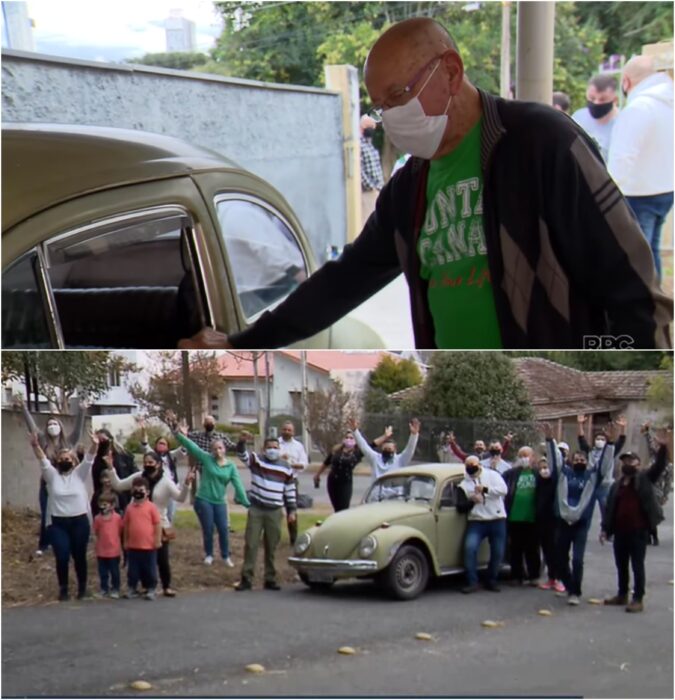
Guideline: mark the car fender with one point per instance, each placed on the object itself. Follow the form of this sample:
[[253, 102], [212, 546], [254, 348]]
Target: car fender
[[349, 333], [391, 539]]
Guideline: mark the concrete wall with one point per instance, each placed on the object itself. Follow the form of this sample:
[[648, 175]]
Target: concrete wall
[[20, 469], [289, 135]]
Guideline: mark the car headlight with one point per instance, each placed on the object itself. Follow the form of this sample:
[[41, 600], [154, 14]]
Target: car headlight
[[302, 543], [368, 546]]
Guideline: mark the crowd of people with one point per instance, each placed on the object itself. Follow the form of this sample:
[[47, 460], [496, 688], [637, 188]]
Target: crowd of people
[[540, 503]]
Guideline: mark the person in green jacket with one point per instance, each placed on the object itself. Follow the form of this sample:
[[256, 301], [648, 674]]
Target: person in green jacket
[[210, 503]]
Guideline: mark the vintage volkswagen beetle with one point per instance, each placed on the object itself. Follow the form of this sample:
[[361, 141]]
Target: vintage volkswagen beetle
[[117, 238], [406, 530]]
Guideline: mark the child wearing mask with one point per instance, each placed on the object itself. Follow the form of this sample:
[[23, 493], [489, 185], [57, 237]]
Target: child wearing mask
[[142, 538], [108, 527]]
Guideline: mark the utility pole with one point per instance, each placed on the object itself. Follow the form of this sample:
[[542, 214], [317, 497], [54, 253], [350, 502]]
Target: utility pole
[[305, 431], [187, 393], [505, 72], [534, 63], [268, 397]]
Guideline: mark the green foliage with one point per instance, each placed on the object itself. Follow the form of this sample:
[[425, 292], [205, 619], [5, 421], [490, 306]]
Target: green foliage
[[473, 385], [607, 361], [627, 26], [59, 375], [660, 391], [392, 375], [376, 400], [178, 60]]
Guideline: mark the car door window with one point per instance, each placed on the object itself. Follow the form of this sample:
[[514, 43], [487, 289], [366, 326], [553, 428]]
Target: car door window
[[449, 495], [266, 258], [24, 321], [125, 283]]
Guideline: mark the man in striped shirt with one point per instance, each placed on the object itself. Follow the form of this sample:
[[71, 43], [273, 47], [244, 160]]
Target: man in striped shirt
[[272, 487]]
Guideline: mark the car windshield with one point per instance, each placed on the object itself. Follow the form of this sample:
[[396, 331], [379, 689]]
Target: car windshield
[[402, 488]]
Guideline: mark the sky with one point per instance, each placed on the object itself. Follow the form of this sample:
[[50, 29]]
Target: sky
[[115, 30]]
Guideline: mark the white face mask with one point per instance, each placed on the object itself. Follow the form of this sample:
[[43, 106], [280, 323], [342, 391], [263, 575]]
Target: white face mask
[[272, 453], [545, 472], [524, 461], [411, 130], [54, 429], [600, 444]]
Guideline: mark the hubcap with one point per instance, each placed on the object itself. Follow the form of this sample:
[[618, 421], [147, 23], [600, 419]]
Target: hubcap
[[408, 573]]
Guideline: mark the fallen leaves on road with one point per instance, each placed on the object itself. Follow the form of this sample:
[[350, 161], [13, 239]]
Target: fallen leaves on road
[[492, 623], [624, 666], [596, 601], [544, 613], [348, 651], [255, 668], [424, 636], [140, 685]]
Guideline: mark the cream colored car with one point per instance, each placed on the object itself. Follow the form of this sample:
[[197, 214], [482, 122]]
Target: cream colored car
[[115, 238]]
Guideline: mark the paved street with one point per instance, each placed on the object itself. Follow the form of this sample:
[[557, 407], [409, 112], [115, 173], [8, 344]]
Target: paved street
[[199, 643]]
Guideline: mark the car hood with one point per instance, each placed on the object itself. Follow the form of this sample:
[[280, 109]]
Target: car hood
[[343, 531]]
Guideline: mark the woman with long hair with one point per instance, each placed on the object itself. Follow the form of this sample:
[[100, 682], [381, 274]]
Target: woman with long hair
[[122, 460], [341, 461]]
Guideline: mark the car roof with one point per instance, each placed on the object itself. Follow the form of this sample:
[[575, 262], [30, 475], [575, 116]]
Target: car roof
[[437, 470], [45, 164]]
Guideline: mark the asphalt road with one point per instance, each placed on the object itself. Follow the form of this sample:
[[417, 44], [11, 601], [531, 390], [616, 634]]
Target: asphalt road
[[199, 644]]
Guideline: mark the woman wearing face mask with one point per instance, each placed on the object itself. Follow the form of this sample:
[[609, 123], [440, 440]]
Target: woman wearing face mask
[[210, 504], [341, 462], [122, 461], [51, 440], [68, 512], [162, 492]]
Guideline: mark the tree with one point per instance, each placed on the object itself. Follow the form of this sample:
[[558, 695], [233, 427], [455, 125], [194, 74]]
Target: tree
[[58, 376], [327, 414], [472, 385], [165, 389], [660, 391], [393, 375], [178, 60]]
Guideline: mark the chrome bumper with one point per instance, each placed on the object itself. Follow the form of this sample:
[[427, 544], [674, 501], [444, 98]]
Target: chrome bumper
[[339, 567]]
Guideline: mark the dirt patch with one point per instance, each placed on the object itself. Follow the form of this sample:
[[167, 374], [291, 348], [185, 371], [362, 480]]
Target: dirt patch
[[31, 580]]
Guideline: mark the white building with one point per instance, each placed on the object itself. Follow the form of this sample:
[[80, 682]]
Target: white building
[[17, 27], [181, 33]]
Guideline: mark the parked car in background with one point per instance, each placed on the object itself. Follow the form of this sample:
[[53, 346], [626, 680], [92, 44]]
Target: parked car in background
[[406, 531], [115, 238]]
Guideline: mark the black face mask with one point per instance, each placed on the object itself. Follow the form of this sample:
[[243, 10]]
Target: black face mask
[[579, 467], [495, 452], [368, 132], [138, 494], [387, 456], [152, 473], [208, 428], [64, 466], [629, 469], [600, 111], [472, 471]]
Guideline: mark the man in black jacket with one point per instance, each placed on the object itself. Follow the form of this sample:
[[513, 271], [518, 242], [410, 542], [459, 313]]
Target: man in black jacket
[[505, 222], [632, 513]]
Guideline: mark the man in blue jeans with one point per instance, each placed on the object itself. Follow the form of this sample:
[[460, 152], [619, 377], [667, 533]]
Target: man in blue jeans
[[641, 151], [481, 496]]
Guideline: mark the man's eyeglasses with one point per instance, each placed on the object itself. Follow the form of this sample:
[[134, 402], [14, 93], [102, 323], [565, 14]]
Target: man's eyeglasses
[[376, 112]]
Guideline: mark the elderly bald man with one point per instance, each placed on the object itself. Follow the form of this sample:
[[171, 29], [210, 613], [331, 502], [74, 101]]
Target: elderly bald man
[[508, 228], [641, 151]]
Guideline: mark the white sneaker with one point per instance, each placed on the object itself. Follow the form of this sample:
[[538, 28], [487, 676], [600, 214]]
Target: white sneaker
[[229, 563], [208, 561], [573, 600], [38, 553]]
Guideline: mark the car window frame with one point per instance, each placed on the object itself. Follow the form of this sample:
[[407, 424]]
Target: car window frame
[[100, 225], [230, 195], [408, 477], [455, 481]]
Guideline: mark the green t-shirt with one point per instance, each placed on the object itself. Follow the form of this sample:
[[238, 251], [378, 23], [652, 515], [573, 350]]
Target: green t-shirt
[[524, 506], [453, 253]]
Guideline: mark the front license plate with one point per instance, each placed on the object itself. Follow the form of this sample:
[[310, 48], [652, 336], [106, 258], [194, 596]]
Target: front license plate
[[320, 577]]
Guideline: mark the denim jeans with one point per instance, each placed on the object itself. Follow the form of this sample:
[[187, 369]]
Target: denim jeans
[[476, 532], [574, 536], [651, 212], [210, 515], [142, 566], [631, 548], [109, 573], [43, 541], [69, 537]]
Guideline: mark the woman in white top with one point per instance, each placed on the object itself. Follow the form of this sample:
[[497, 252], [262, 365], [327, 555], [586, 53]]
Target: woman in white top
[[68, 511], [163, 491]]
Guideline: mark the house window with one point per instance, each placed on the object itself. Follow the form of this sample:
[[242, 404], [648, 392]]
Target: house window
[[244, 402], [114, 377]]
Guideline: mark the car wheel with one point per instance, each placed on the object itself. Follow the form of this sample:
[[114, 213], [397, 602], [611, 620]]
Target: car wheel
[[316, 585], [408, 574]]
